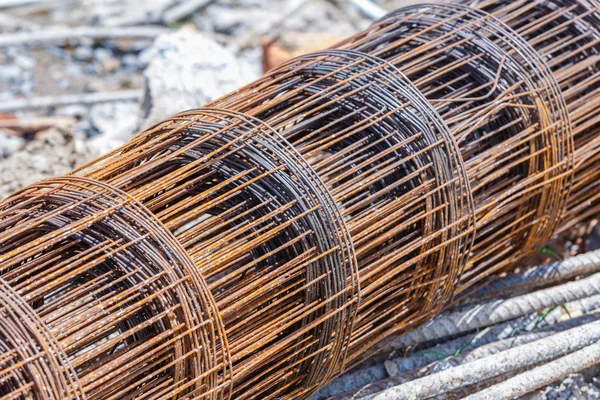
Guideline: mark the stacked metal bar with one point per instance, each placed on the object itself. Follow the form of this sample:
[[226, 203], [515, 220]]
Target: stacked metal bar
[[260, 246]]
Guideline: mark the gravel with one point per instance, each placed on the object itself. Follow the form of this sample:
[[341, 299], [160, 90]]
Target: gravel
[[575, 386], [56, 152]]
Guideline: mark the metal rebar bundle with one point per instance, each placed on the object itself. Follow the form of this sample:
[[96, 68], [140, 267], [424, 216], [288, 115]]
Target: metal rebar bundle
[[261, 245]]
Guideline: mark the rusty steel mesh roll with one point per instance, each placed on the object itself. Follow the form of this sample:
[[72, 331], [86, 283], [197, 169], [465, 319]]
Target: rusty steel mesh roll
[[109, 287], [263, 244], [566, 33], [505, 110], [34, 365], [262, 231], [391, 166]]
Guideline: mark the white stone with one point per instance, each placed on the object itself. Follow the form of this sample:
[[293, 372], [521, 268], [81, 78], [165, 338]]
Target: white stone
[[187, 70], [115, 123], [9, 144]]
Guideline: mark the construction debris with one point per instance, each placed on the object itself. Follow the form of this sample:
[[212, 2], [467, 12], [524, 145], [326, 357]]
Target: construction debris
[[61, 36], [582, 338], [55, 152], [187, 70], [64, 100], [277, 50]]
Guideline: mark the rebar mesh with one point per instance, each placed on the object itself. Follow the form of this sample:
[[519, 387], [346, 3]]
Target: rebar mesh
[[262, 231], [260, 246], [390, 164], [110, 295], [566, 35], [505, 110]]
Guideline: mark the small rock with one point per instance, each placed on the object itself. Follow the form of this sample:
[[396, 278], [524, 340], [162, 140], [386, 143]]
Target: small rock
[[26, 87], [139, 45], [145, 57], [130, 61], [64, 83], [125, 12], [108, 62], [187, 70], [130, 81], [572, 387], [593, 242], [95, 84], [235, 21], [83, 53], [84, 127], [391, 368], [57, 52], [73, 70], [111, 65], [9, 144], [101, 54], [115, 123]]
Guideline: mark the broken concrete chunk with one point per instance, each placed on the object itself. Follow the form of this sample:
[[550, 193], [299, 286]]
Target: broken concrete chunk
[[114, 123], [187, 70]]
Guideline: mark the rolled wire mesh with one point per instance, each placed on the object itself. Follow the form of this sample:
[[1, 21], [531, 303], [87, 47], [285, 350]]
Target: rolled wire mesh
[[106, 292], [31, 358], [262, 231], [277, 270], [566, 33], [392, 168], [505, 110], [260, 246]]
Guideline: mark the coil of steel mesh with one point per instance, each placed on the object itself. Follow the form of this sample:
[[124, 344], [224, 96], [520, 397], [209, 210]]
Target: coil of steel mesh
[[260, 246], [114, 296], [566, 33], [392, 167], [506, 112], [262, 231]]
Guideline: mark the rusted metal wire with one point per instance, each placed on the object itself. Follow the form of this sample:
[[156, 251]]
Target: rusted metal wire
[[490, 340], [263, 232], [566, 33], [258, 247], [388, 160], [363, 376], [108, 293], [505, 110]]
